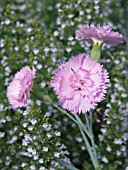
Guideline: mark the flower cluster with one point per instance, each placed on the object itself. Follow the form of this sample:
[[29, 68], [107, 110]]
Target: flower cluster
[[32, 144], [86, 80]]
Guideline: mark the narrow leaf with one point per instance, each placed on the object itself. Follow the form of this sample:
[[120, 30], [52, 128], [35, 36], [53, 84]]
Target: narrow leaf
[[66, 165]]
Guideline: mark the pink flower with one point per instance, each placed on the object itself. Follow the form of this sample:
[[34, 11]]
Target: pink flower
[[80, 83], [99, 34], [19, 89]]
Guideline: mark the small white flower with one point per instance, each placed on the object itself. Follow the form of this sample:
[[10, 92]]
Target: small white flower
[[16, 48], [21, 134], [57, 133], [49, 135], [79, 139], [45, 149], [104, 159], [23, 164], [118, 141], [30, 149], [46, 49], [2, 134], [42, 84], [70, 15], [56, 154], [28, 137], [123, 95], [35, 51], [8, 118], [30, 128], [100, 137], [45, 125], [108, 122], [32, 167], [32, 38], [123, 148], [56, 33], [25, 124], [24, 142], [81, 12], [41, 160], [29, 29], [25, 113], [35, 157], [68, 49], [108, 149], [83, 148], [14, 138], [35, 137], [63, 25], [7, 21], [33, 121], [35, 62], [70, 38], [33, 152], [42, 168], [118, 153], [103, 130]]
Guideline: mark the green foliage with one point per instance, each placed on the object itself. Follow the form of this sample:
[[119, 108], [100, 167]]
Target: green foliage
[[42, 33], [29, 140]]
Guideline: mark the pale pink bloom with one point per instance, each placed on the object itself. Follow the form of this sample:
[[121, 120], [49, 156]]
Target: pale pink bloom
[[19, 89], [99, 34], [80, 83]]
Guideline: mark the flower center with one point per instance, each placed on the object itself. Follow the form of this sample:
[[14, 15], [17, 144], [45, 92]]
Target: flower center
[[81, 80], [97, 41]]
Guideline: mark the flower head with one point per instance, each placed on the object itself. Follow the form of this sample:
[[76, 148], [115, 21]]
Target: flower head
[[99, 34], [80, 83], [19, 89]]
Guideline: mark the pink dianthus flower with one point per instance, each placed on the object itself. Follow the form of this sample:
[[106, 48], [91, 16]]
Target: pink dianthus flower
[[80, 83], [99, 34], [19, 89]]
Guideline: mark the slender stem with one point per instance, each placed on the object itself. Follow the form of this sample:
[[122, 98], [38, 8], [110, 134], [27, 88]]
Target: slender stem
[[63, 111], [78, 121], [89, 125], [96, 51], [83, 126], [88, 131], [90, 113], [95, 163]]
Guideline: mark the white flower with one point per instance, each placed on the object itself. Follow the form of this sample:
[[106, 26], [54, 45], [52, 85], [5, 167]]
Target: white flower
[[7, 21], [56, 33], [45, 149], [2, 134], [104, 159], [56, 154], [41, 160], [108, 149]]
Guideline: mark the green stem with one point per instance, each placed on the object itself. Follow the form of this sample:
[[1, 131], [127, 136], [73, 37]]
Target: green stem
[[42, 97], [78, 121], [95, 163], [86, 117], [88, 131], [90, 113], [89, 125], [66, 165], [96, 51], [63, 111], [83, 126]]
